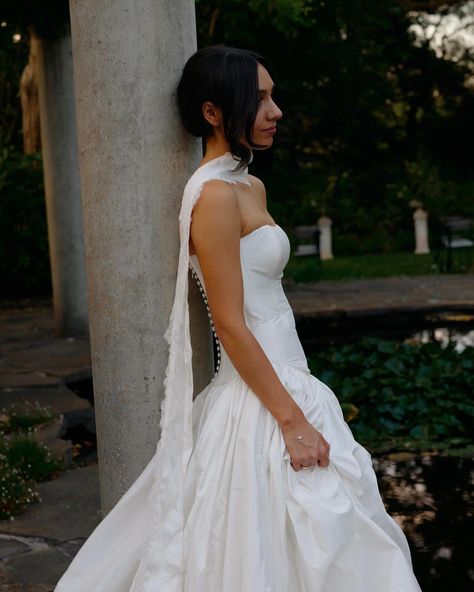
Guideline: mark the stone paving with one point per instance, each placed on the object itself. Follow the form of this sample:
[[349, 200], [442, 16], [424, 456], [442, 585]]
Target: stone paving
[[37, 546], [376, 296]]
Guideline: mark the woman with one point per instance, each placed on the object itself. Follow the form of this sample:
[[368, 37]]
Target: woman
[[258, 485]]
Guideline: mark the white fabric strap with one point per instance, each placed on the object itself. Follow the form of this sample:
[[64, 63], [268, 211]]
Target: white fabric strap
[[163, 558]]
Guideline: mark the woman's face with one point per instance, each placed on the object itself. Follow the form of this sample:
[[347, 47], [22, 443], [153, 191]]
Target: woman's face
[[268, 112]]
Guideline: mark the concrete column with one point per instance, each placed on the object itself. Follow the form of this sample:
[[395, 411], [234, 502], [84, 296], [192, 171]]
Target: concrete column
[[325, 239], [135, 159], [62, 185], [420, 217]]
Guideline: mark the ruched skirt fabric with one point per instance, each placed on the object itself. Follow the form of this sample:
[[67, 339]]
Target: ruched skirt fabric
[[253, 524]]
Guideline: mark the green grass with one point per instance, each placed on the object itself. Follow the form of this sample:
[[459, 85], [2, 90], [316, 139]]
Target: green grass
[[306, 269]]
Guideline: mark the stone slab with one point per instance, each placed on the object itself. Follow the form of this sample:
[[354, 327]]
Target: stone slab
[[59, 399], [11, 546], [9, 379], [38, 570], [31, 353], [70, 508]]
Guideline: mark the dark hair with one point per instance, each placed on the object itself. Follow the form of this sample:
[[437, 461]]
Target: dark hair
[[228, 78]]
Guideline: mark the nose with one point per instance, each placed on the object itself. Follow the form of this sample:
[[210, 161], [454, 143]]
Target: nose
[[276, 112]]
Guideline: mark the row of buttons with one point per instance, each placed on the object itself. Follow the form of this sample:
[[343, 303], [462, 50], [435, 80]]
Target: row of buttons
[[218, 343]]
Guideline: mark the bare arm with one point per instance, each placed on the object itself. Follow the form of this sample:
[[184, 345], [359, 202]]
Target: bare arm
[[215, 232]]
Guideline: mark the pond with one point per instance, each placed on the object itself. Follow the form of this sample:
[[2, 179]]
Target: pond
[[456, 326], [430, 496], [445, 335]]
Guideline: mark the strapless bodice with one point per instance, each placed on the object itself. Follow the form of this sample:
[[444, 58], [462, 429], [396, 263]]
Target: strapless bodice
[[264, 254]]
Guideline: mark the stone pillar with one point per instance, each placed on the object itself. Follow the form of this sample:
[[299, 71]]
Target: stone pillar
[[420, 217], [325, 240], [62, 185], [135, 159]]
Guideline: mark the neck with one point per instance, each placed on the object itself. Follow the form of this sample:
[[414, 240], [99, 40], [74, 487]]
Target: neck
[[215, 147]]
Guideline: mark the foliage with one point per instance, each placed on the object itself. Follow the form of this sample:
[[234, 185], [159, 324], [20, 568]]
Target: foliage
[[406, 394], [13, 58], [24, 258], [372, 117], [32, 459], [50, 18], [24, 418], [15, 491], [23, 460]]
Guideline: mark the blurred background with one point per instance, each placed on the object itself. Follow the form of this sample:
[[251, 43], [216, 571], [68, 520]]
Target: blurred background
[[378, 101]]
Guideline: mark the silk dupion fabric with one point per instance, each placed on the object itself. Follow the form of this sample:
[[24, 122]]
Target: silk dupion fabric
[[251, 523]]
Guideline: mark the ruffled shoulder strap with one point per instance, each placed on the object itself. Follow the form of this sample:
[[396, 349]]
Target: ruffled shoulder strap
[[163, 558]]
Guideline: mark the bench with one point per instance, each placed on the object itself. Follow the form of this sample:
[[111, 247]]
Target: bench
[[308, 240], [453, 232]]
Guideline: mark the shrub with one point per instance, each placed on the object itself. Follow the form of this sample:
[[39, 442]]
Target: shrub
[[32, 459], [24, 257], [24, 418], [16, 492], [23, 460]]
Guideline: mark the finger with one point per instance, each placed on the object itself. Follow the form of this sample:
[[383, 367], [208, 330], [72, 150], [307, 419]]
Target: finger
[[324, 450], [325, 442]]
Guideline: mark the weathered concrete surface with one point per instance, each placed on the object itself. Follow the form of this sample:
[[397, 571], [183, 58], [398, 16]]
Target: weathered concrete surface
[[61, 181], [135, 159]]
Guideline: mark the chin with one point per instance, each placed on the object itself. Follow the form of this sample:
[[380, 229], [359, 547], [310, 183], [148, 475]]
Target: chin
[[265, 143]]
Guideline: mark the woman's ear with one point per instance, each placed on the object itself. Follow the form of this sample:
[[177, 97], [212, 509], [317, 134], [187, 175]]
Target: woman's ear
[[212, 114]]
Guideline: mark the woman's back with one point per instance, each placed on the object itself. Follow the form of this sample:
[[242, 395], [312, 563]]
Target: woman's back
[[264, 253]]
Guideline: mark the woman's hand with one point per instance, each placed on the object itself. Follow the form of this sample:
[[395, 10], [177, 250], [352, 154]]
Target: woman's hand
[[306, 446]]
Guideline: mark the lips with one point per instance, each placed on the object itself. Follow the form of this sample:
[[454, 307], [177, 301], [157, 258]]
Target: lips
[[270, 129]]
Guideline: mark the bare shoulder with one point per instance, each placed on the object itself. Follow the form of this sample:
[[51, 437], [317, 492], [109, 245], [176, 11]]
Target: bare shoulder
[[259, 187], [217, 206], [216, 190]]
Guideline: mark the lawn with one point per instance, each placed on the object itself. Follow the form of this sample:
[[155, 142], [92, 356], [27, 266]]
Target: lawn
[[306, 269]]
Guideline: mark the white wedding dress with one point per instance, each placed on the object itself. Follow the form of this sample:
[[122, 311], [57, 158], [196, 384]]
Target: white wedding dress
[[252, 523]]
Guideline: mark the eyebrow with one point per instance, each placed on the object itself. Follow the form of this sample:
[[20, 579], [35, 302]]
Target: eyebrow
[[264, 90]]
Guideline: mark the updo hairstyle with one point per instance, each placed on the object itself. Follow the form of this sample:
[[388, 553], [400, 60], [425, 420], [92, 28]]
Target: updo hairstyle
[[228, 78]]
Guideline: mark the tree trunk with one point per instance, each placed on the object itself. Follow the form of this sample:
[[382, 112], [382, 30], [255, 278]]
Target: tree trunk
[[30, 104]]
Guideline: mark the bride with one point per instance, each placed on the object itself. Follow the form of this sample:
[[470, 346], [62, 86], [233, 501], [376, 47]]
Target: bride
[[258, 484]]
